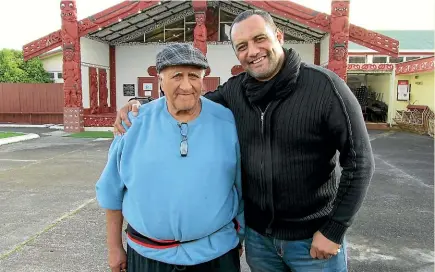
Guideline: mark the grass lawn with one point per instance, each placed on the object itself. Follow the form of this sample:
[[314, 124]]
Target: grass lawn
[[92, 134], [9, 134]]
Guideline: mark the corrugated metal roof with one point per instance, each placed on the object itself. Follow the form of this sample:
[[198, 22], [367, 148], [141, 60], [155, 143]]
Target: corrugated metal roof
[[415, 40]]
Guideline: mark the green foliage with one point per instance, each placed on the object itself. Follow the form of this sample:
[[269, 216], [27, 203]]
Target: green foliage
[[92, 134], [9, 134], [13, 68]]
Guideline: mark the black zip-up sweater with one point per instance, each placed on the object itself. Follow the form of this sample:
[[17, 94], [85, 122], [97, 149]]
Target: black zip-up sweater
[[292, 187]]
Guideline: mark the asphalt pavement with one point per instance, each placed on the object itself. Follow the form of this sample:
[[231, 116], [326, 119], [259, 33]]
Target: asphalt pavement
[[51, 222]]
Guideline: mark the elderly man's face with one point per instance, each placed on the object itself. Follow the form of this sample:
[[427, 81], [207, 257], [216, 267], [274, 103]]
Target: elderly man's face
[[182, 86], [258, 47]]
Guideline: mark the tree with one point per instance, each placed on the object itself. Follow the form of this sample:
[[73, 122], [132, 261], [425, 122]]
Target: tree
[[13, 68]]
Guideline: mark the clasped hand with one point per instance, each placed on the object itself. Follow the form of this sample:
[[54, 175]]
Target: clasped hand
[[322, 247]]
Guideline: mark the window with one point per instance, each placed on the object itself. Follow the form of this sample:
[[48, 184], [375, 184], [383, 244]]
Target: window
[[379, 59], [174, 32], [174, 35], [157, 35], [225, 21], [51, 75], [59, 75], [188, 30], [224, 29], [355, 59], [396, 60], [411, 58], [189, 26]]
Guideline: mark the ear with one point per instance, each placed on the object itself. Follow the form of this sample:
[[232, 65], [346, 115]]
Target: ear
[[280, 36]]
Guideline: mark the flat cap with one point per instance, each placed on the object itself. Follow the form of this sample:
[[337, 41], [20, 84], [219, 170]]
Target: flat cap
[[180, 54]]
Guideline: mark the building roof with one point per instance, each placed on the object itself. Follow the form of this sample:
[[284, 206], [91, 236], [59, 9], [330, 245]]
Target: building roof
[[133, 28], [410, 40], [129, 20]]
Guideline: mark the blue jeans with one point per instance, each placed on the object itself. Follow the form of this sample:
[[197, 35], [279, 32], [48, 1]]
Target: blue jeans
[[265, 254]]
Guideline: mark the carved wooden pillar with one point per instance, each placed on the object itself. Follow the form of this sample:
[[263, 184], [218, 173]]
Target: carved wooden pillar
[[317, 53], [339, 37], [112, 63], [72, 86], [200, 31], [212, 23], [93, 90], [103, 91]]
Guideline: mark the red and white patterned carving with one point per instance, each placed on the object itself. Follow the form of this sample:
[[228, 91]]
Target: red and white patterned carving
[[339, 38], [200, 30], [373, 40], [99, 121], [415, 66], [42, 45], [72, 86], [103, 91], [93, 90], [73, 119], [296, 12], [370, 67]]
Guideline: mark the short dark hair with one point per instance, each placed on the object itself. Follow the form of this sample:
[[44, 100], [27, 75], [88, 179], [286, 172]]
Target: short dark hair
[[248, 13]]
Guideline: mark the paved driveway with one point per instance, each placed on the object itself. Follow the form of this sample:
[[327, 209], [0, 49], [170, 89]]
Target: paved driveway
[[50, 221]]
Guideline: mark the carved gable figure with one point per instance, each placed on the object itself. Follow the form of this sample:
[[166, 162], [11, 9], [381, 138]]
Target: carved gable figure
[[69, 12]]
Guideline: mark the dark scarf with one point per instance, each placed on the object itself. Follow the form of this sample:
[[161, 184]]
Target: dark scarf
[[261, 93]]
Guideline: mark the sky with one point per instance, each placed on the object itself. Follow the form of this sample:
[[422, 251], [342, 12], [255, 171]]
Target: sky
[[23, 21]]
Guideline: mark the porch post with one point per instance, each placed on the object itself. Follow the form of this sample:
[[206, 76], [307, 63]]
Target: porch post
[[317, 53], [339, 37], [112, 72], [72, 76], [391, 98]]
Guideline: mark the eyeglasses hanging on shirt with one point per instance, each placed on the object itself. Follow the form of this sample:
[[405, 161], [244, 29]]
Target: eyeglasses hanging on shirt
[[183, 145]]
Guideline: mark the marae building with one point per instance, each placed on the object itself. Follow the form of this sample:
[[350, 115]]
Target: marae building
[[109, 57]]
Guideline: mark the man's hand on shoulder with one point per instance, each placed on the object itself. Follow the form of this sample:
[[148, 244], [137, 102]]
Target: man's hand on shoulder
[[122, 116]]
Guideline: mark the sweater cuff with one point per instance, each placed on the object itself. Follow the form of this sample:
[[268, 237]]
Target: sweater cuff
[[334, 231]]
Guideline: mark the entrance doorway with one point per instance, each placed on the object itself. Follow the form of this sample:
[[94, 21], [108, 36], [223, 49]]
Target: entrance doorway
[[373, 91], [148, 87]]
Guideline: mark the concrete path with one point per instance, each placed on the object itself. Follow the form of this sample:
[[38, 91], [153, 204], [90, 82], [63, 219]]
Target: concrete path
[[50, 220]]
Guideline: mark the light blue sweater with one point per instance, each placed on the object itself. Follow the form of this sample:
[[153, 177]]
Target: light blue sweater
[[165, 196]]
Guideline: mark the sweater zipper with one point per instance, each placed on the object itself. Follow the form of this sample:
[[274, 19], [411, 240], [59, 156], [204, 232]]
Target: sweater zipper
[[268, 230], [262, 118]]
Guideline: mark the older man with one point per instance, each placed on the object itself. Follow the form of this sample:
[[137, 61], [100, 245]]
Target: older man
[[292, 118], [175, 178]]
